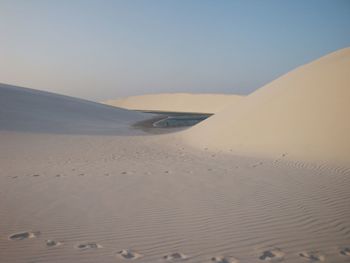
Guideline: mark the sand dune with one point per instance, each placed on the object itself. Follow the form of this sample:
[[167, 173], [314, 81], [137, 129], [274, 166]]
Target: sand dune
[[23, 109], [177, 102], [303, 114], [67, 196]]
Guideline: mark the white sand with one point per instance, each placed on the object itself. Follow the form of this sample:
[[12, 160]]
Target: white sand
[[74, 194], [154, 196], [29, 110], [304, 114], [177, 102]]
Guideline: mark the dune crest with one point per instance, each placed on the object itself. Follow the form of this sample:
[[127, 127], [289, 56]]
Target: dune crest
[[177, 102], [29, 110], [303, 113]]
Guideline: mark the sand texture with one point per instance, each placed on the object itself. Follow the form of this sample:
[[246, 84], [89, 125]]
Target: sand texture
[[75, 188], [152, 199], [304, 114], [177, 102]]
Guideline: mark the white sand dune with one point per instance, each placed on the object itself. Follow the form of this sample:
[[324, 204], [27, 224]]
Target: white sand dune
[[66, 196], [304, 114], [177, 102], [24, 109]]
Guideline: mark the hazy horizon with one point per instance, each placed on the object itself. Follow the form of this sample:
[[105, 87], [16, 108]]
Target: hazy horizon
[[100, 51]]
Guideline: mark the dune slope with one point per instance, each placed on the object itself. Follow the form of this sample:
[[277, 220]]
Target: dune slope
[[303, 114], [177, 102], [96, 198], [29, 110]]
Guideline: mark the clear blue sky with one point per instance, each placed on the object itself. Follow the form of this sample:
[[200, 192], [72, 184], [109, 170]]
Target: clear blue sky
[[107, 49]]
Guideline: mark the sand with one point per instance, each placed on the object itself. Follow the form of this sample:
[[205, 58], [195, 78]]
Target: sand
[[153, 197], [82, 190], [177, 102], [304, 114], [29, 110]]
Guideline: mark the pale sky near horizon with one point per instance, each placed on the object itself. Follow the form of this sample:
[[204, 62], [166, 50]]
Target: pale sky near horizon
[[101, 50]]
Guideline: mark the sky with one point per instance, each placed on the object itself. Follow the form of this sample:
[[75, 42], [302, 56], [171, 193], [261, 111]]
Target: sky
[[100, 50]]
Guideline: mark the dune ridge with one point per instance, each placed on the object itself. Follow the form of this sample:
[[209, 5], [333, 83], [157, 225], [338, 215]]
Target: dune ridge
[[177, 102], [303, 114], [29, 110]]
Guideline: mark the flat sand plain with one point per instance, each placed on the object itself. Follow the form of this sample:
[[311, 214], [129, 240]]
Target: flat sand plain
[[153, 199]]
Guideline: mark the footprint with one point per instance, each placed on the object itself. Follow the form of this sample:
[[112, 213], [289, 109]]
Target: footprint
[[175, 256], [88, 245], [128, 254], [24, 235], [221, 259], [312, 256], [345, 251], [257, 164], [53, 243], [273, 254]]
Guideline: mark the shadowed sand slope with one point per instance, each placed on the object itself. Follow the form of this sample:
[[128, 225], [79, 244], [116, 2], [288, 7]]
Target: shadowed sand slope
[[29, 110], [177, 102], [304, 114]]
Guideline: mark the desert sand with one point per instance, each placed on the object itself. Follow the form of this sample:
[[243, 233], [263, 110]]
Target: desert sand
[[177, 102], [29, 110], [303, 114], [79, 182]]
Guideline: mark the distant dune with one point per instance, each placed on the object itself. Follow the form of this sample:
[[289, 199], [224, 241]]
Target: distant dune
[[177, 102], [28, 110], [304, 114]]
